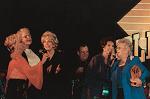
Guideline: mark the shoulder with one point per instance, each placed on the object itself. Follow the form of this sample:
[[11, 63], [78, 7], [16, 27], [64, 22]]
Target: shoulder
[[59, 53], [115, 65], [59, 56], [136, 61], [12, 62], [136, 58]]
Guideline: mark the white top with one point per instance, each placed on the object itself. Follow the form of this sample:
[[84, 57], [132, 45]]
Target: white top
[[33, 59]]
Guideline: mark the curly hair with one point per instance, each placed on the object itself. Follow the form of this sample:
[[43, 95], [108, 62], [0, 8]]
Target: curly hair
[[10, 41], [51, 36], [24, 28], [103, 42]]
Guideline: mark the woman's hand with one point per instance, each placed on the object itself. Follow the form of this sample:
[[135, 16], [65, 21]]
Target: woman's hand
[[136, 82], [44, 58], [58, 69], [49, 68]]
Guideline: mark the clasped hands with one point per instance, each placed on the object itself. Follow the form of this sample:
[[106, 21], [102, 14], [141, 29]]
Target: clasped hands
[[136, 82]]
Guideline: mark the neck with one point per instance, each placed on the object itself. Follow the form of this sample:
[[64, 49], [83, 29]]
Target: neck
[[50, 53], [123, 61], [19, 51], [26, 46]]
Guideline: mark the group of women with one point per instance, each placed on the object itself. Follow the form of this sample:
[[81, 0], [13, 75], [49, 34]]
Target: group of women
[[30, 76]]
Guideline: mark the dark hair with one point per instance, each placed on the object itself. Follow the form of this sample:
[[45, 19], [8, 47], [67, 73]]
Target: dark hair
[[103, 42], [83, 44]]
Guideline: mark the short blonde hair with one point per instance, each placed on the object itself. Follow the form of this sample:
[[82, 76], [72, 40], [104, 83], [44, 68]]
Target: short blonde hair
[[125, 41], [24, 28], [10, 41], [51, 36]]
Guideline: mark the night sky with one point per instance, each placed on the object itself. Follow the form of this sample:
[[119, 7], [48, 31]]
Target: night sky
[[73, 21]]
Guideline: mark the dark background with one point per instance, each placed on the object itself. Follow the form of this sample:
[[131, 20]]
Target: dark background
[[73, 21]]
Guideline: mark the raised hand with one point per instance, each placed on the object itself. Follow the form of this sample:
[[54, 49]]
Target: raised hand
[[58, 69]]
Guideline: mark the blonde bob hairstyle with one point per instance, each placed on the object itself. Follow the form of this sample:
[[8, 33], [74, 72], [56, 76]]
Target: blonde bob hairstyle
[[51, 36]]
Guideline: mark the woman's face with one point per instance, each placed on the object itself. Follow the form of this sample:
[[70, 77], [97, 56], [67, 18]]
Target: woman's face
[[26, 37], [122, 51], [109, 47], [48, 44]]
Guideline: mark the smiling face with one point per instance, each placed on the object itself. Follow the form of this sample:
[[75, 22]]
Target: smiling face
[[48, 44], [109, 47], [49, 41], [25, 36]]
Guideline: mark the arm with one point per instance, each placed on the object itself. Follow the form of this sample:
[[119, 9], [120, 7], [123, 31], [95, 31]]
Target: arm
[[143, 73], [34, 74]]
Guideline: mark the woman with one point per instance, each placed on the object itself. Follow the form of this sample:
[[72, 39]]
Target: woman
[[98, 77], [53, 68], [124, 84], [19, 71], [31, 57]]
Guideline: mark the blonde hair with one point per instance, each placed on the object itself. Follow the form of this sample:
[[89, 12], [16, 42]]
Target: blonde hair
[[51, 36], [10, 41], [125, 41], [24, 28]]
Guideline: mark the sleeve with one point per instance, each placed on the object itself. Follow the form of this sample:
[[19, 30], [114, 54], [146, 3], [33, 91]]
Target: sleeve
[[145, 72], [34, 74], [92, 62]]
